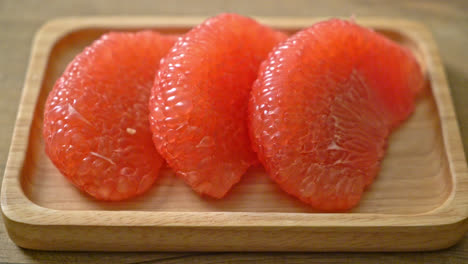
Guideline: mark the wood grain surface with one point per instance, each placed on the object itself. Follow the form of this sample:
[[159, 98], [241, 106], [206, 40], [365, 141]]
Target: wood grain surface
[[419, 199], [20, 19]]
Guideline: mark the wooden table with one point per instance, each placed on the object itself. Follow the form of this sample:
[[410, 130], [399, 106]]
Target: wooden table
[[20, 19]]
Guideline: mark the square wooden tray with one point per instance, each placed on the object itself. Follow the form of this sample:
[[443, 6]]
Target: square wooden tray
[[418, 202]]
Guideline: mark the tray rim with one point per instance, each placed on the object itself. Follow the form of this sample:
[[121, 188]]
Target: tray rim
[[17, 208]]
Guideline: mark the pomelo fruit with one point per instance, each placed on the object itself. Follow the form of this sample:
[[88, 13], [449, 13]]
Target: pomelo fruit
[[96, 127], [198, 106], [323, 106]]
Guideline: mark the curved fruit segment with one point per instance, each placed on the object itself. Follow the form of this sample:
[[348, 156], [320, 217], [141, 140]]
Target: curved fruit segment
[[96, 127], [323, 106], [198, 108]]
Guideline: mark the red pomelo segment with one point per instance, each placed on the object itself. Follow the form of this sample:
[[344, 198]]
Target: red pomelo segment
[[322, 108], [96, 126], [199, 101]]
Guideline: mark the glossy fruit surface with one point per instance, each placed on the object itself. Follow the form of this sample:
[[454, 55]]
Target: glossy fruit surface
[[323, 106], [198, 108], [96, 127]]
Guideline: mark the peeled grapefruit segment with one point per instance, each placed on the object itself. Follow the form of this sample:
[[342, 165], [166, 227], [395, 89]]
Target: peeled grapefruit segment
[[323, 106], [198, 106], [96, 127]]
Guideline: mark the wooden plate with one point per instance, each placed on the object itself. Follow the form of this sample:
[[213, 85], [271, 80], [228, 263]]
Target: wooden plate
[[418, 202]]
